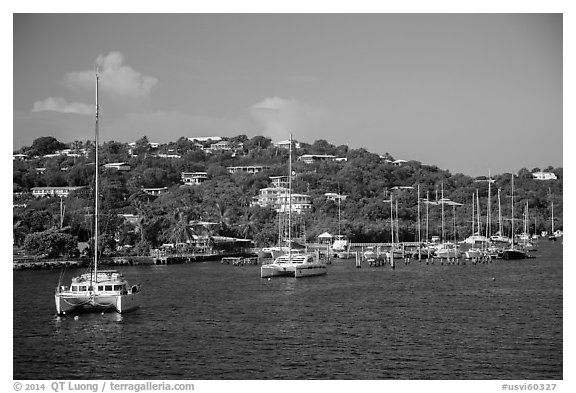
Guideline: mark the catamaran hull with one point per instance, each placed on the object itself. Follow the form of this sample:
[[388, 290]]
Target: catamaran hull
[[307, 271], [72, 304], [274, 270]]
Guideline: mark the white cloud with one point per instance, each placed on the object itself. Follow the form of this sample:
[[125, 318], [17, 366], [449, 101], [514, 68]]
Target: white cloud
[[281, 117], [57, 104], [116, 78]]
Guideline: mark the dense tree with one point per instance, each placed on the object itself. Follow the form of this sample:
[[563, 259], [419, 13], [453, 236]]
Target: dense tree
[[51, 243], [45, 145]]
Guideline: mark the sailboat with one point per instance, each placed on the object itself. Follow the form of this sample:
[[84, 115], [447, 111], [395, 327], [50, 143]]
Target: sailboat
[[513, 253], [525, 237], [341, 246], [97, 290], [473, 252], [499, 236], [293, 263]]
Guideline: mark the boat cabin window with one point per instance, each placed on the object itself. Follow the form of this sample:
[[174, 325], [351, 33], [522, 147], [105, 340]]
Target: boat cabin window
[[100, 287], [108, 287], [117, 287], [78, 288]]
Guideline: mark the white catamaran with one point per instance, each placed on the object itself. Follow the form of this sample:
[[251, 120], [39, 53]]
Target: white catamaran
[[97, 291], [294, 263]]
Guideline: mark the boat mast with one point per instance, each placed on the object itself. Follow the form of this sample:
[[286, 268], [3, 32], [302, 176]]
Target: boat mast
[[526, 219], [454, 218], [339, 207], [96, 196], [442, 203], [552, 216], [488, 214], [290, 201], [418, 199], [397, 224], [473, 221], [427, 218], [512, 211], [499, 215], [391, 232], [478, 212]]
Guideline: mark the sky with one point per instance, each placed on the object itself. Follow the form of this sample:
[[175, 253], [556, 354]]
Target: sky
[[466, 92]]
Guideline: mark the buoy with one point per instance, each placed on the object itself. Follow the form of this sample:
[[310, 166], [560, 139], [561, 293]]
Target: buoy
[[493, 278], [268, 278], [76, 318]]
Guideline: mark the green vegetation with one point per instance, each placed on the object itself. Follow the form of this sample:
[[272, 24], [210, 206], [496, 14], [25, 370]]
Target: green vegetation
[[365, 178]]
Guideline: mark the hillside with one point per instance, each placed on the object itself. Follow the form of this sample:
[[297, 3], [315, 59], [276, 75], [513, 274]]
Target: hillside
[[365, 178]]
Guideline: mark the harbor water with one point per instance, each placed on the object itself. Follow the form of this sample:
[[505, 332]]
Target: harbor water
[[500, 320]]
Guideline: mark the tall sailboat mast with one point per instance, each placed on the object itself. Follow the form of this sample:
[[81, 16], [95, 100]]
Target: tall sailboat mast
[[442, 204], [488, 214], [478, 213], [427, 216], [552, 213], [290, 200], [96, 189], [512, 211], [473, 217], [499, 215], [418, 218]]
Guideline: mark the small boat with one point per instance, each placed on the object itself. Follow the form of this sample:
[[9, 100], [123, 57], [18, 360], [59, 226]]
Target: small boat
[[369, 255], [106, 290], [513, 253], [97, 291], [498, 238], [474, 253], [294, 265], [235, 261], [341, 244], [447, 251]]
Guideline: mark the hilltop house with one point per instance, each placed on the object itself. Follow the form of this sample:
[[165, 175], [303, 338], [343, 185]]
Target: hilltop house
[[544, 176], [193, 178]]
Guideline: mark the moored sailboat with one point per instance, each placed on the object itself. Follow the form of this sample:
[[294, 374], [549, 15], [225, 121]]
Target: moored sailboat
[[513, 253], [97, 291], [293, 263]]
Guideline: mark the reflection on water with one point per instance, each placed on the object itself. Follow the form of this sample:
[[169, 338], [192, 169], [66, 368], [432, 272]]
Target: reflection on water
[[214, 321]]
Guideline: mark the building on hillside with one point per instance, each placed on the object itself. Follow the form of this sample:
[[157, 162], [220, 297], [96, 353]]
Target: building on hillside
[[278, 198], [286, 144], [194, 178], [332, 196], [119, 166], [544, 176], [252, 169], [155, 191], [168, 155], [221, 146], [205, 139], [279, 181], [394, 162], [310, 158], [53, 191]]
